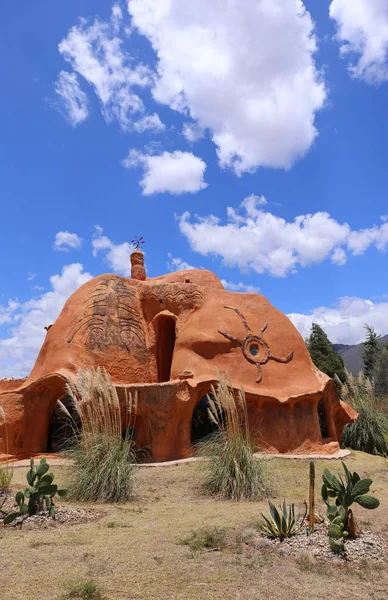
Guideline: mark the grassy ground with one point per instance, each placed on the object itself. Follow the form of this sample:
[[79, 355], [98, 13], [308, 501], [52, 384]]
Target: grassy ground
[[133, 551]]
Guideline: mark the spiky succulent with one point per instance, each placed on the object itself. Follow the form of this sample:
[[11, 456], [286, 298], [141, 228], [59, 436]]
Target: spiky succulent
[[281, 524]]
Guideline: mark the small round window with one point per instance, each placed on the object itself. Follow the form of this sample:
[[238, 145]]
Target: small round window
[[254, 349]]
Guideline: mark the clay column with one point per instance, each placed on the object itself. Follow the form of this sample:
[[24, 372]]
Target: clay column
[[137, 265]]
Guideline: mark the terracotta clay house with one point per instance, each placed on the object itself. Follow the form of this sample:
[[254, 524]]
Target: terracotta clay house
[[165, 338]]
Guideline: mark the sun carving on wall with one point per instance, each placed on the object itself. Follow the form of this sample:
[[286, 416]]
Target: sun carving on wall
[[254, 348]]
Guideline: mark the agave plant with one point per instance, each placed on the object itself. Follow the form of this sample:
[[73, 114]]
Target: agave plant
[[281, 524], [340, 515]]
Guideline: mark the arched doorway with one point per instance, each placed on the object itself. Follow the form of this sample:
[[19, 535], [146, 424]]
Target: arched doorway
[[165, 344], [64, 425], [202, 426]]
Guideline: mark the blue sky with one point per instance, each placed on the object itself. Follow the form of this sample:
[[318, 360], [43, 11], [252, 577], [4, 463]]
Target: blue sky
[[246, 138]]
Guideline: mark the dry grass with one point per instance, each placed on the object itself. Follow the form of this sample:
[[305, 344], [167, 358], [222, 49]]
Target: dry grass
[[141, 557]]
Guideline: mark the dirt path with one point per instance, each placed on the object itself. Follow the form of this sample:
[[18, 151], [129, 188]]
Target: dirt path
[[56, 460]]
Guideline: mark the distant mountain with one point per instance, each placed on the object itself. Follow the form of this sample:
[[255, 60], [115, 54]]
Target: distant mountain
[[352, 355]]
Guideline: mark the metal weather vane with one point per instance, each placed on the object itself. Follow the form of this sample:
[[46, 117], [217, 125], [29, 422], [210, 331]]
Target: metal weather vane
[[137, 242], [252, 344]]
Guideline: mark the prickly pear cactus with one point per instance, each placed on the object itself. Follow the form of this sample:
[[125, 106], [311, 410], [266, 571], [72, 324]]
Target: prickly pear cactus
[[40, 492], [355, 490]]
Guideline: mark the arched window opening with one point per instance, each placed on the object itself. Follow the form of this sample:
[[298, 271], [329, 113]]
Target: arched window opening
[[322, 420], [165, 344]]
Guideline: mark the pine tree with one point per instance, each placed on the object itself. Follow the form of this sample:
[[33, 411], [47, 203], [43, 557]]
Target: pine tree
[[380, 373], [370, 352], [323, 355]]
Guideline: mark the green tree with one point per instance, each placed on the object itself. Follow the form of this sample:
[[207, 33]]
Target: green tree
[[380, 373], [323, 355], [371, 350]]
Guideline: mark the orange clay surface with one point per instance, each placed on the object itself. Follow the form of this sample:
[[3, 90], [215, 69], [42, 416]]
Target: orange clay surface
[[166, 338]]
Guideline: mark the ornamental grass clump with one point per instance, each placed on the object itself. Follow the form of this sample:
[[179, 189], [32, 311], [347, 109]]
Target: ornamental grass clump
[[6, 471], [368, 432], [6, 474], [103, 468], [231, 470]]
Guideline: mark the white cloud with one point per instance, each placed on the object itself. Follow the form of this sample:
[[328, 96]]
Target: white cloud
[[172, 172], [116, 255], [73, 101], [149, 123], [94, 50], [117, 17], [31, 276], [239, 287], [18, 351], [265, 242], [259, 240], [193, 132], [251, 203], [345, 322], [64, 240], [339, 256], [243, 70], [178, 264], [362, 30], [8, 312], [359, 241]]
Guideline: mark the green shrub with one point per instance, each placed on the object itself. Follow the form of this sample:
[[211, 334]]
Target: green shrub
[[39, 494], [371, 350], [209, 539], [339, 514], [231, 470], [84, 590], [368, 432], [365, 434], [103, 460], [380, 373], [323, 355]]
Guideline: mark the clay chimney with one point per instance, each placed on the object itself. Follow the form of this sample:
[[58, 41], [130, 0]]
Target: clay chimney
[[137, 266]]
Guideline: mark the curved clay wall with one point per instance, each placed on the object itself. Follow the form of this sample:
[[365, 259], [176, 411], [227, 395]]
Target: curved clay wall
[[11, 384]]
